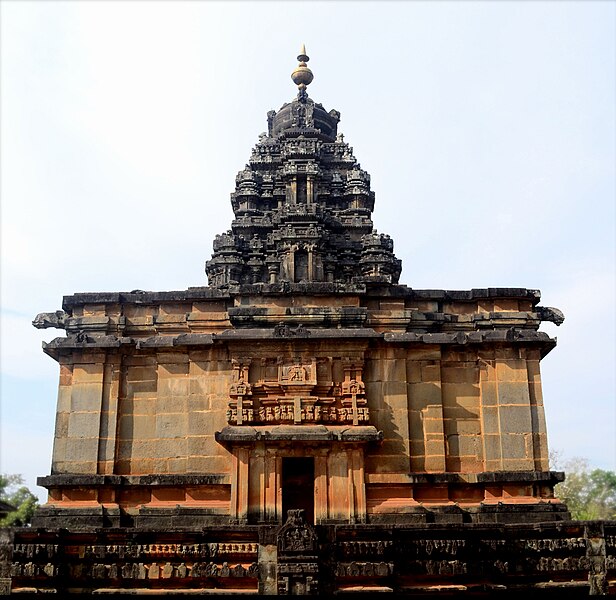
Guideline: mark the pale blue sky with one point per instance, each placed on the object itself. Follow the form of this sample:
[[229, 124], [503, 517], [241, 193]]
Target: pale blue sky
[[488, 129]]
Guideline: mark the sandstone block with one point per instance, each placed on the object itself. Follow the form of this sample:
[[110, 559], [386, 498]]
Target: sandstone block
[[82, 450], [515, 419], [171, 425], [62, 419], [88, 373], [491, 420], [514, 446], [84, 425], [86, 397], [489, 393]]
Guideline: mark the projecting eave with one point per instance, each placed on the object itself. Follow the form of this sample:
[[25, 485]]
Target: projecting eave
[[298, 434]]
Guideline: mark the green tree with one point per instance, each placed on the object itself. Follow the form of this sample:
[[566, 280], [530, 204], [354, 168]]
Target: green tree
[[14, 492], [589, 494]]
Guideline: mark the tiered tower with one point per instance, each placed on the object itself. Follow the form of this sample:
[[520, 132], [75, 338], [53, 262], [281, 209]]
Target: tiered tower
[[302, 206]]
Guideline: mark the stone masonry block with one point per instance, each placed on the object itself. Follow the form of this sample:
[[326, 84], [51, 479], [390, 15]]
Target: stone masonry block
[[426, 354], [126, 427], [62, 419], [84, 425], [413, 371], [506, 353], [171, 404], [460, 374], [515, 419], [491, 420], [533, 371], [86, 397], [431, 373], [416, 430], [423, 395], [199, 402], [174, 386], [171, 425], [172, 361], [538, 419], [144, 406], [462, 426], [202, 445], [106, 449], [489, 393], [59, 451], [394, 370], [374, 393], [88, 373], [64, 399], [387, 464], [373, 371], [513, 393], [82, 449], [453, 393], [464, 445], [511, 370], [146, 387], [518, 464], [434, 463], [141, 373], [200, 423], [432, 426], [514, 447], [177, 465], [160, 448], [144, 427]]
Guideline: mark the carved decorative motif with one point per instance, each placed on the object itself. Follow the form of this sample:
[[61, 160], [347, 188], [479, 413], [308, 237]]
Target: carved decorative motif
[[302, 209], [292, 398]]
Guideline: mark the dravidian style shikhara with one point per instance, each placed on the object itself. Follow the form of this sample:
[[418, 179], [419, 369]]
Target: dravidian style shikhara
[[304, 424]]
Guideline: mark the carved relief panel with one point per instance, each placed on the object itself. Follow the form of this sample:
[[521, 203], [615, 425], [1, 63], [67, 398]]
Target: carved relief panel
[[297, 392]]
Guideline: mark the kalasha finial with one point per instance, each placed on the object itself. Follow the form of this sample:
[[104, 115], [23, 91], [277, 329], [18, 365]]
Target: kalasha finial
[[302, 76]]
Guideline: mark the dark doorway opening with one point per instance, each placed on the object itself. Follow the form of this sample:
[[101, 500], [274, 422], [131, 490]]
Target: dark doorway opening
[[298, 486]]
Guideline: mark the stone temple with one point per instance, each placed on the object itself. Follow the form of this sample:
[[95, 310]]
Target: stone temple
[[305, 424]]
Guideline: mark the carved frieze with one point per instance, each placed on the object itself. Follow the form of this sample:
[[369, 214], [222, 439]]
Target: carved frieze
[[288, 395]]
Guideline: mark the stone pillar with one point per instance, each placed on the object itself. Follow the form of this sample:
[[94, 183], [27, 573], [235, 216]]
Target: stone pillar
[[357, 485], [321, 513], [596, 554], [540, 445], [171, 420], [239, 484], [109, 414], [492, 452], [462, 411], [338, 486], [84, 419], [425, 400], [514, 412], [6, 558]]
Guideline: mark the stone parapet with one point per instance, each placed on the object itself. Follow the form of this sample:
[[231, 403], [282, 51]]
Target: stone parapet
[[412, 560]]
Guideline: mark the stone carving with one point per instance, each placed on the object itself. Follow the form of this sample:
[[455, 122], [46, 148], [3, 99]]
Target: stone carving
[[364, 569], [298, 168], [298, 567], [282, 330], [51, 319], [296, 535], [547, 313]]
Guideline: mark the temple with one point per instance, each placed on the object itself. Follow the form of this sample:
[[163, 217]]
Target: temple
[[305, 423]]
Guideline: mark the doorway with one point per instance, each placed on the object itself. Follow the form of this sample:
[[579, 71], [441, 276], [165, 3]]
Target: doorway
[[298, 486]]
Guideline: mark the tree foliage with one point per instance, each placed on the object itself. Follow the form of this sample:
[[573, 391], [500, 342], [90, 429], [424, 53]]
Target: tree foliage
[[589, 494], [14, 492]]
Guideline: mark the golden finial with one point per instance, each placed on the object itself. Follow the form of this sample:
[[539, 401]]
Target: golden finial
[[302, 76]]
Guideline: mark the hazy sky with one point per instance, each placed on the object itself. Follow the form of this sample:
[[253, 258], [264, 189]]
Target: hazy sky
[[488, 129]]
